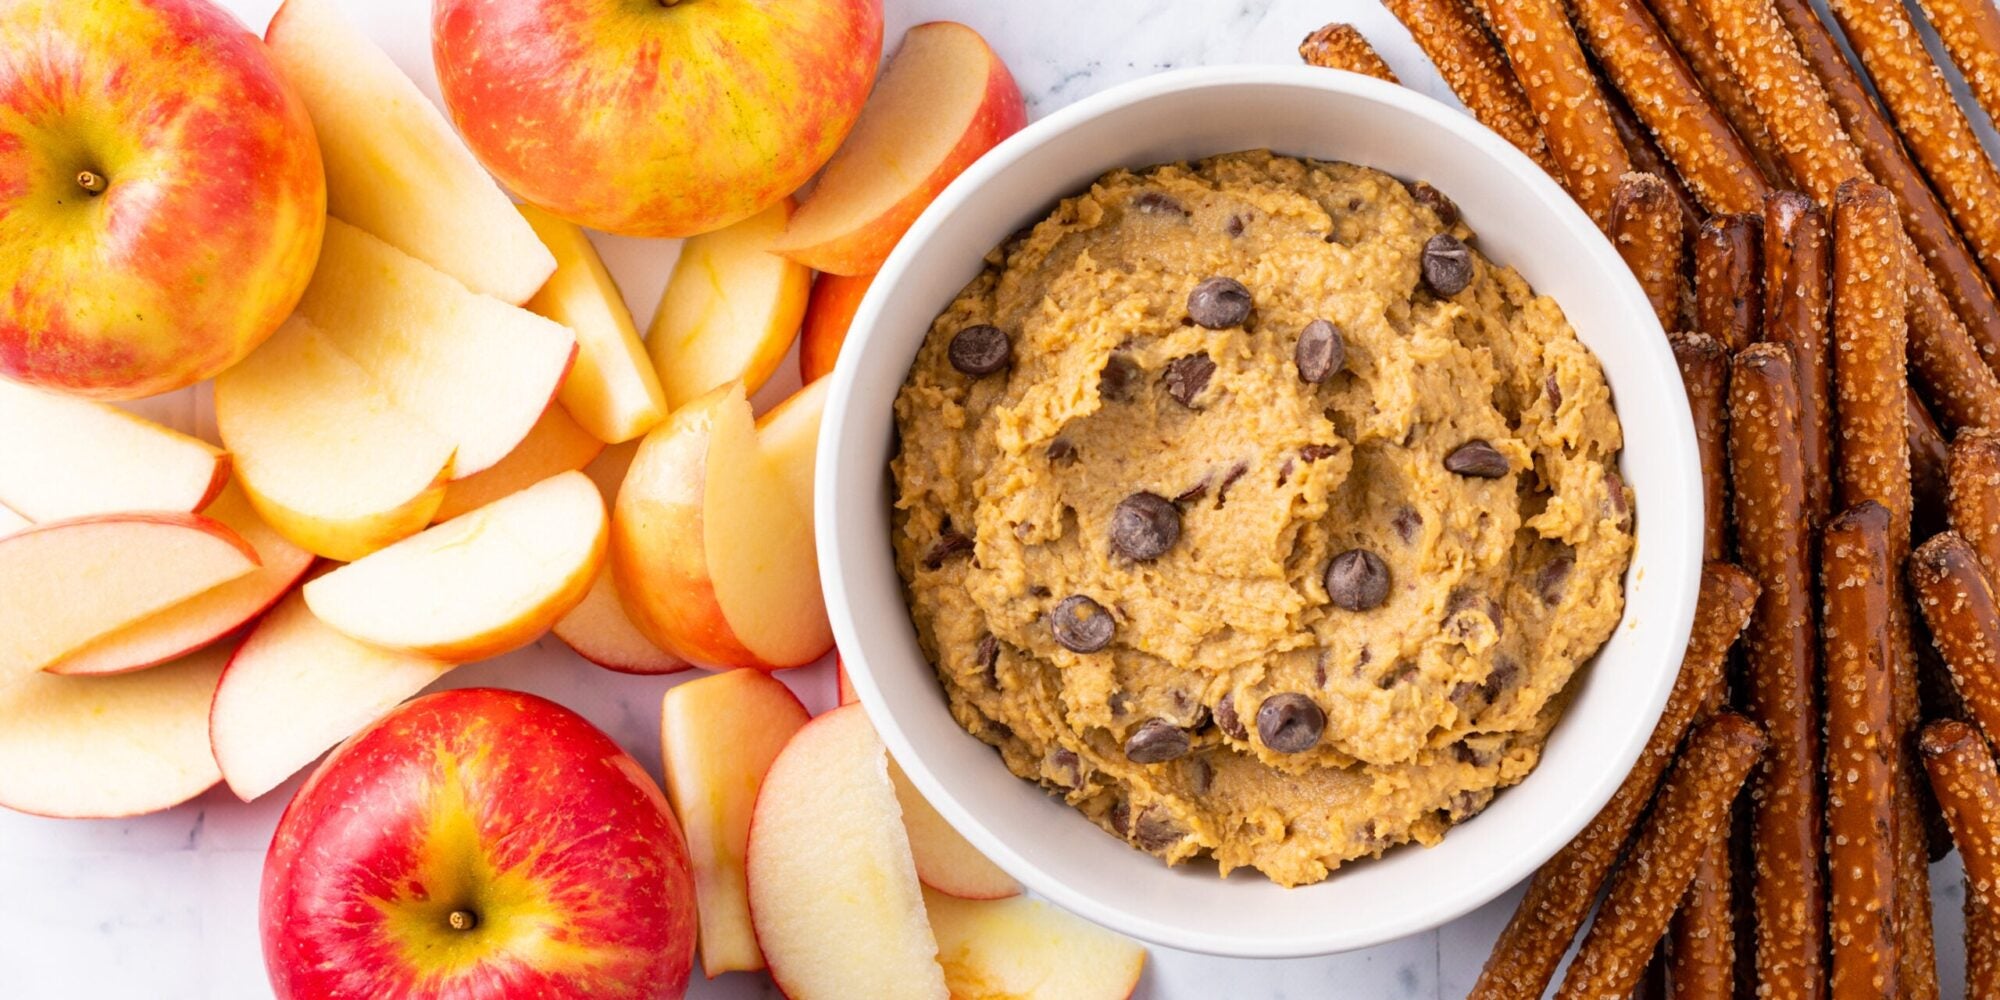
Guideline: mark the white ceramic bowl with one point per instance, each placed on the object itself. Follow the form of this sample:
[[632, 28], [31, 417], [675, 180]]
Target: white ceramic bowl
[[1523, 219]]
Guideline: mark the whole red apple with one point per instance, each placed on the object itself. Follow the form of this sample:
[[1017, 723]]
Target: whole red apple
[[478, 844], [161, 195], [655, 117]]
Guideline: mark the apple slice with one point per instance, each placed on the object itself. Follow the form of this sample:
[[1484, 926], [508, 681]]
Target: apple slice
[[711, 539], [11, 522], [105, 747], [394, 166], [66, 583], [945, 100], [788, 440], [612, 390], [1025, 949], [322, 451], [718, 735], [730, 311], [833, 893], [473, 368], [478, 585], [829, 312], [63, 457], [946, 861], [554, 445], [296, 687], [207, 616], [598, 627]]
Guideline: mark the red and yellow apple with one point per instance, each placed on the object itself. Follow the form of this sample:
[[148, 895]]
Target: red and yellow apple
[[829, 312], [161, 196], [478, 843], [655, 117]]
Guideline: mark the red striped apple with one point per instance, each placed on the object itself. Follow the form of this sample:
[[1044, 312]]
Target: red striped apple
[[478, 843], [161, 197], [655, 118]]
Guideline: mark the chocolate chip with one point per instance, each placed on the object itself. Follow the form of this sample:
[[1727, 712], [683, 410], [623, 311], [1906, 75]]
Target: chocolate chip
[[1236, 472], [1064, 769], [1357, 580], [1120, 817], [1477, 459], [1155, 831], [1118, 702], [980, 350], [1186, 377], [1444, 208], [1505, 673], [1039, 591], [1119, 379], [1159, 203], [1144, 526], [1407, 523], [1401, 673], [1192, 493], [1156, 741], [1314, 452], [1553, 578], [1201, 776], [987, 655], [1320, 352], [1234, 227], [1227, 720], [1466, 753], [1553, 390], [1081, 625], [1290, 722], [1219, 303], [1447, 265], [1061, 452], [1467, 803], [949, 545]]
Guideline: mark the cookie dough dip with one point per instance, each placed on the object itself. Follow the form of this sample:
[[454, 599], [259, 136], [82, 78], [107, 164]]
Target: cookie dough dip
[[1247, 508]]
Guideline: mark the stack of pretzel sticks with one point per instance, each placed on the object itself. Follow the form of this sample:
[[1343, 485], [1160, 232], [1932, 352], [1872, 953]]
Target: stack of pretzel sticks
[[1822, 240]]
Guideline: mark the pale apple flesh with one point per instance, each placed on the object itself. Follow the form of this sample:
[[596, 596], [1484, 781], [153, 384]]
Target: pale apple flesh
[[478, 585], [834, 895], [712, 544], [598, 627], [655, 119], [66, 583], [146, 244], [945, 860], [718, 735], [10, 522], [102, 747], [556, 444], [393, 165], [829, 312], [433, 855], [945, 100], [324, 454], [611, 390], [205, 617], [296, 687], [730, 311], [1025, 949], [64, 457]]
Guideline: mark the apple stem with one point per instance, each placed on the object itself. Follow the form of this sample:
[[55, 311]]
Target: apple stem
[[462, 920], [91, 181]]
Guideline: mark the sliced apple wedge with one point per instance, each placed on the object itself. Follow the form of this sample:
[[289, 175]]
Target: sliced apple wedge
[[324, 454], [556, 444], [63, 457], [945, 100], [946, 861], [611, 390], [66, 583], [393, 164], [829, 312], [207, 616], [472, 368], [295, 688], [105, 747], [730, 311], [712, 543], [718, 735], [11, 522], [477, 585], [788, 441], [833, 893], [1025, 949], [598, 627]]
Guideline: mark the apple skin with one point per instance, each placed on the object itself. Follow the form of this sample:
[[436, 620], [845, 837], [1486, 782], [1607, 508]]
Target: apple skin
[[499, 804], [655, 117], [829, 312], [208, 225]]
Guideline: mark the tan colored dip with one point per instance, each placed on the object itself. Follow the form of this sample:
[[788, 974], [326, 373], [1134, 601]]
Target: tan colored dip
[[1225, 609]]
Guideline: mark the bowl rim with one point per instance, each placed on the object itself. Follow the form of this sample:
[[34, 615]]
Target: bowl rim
[[1505, 871]]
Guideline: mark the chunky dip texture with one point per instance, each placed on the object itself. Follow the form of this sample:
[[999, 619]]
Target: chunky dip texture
[[1245, 507]]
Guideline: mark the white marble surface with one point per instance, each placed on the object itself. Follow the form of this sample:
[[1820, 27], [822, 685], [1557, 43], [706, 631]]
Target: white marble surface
[[165, 906]]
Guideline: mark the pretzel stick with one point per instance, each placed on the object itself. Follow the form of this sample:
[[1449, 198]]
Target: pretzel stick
[[1772, 539], [1957, 603], [1561, 892], [1861, 753], [1728, 299], [1690, 819], [1704, 369], [1942, 251], [1701, 939], [1689, 33], [1962, 775], [1341, 46], [1869, 345], [1644, 66], [1647, 159], [1930, 464], [1549, 62], [1933, 126], [1471, 63], [1972, 496], [1982, 946], [1646, 229], [1797, 266], [1948, 365], [1970, 30]]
